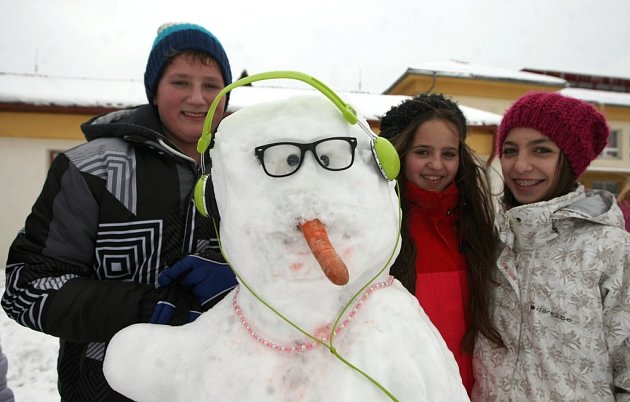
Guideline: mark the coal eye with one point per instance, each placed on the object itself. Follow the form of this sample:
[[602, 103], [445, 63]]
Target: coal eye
[[325, 160], [293, 160]]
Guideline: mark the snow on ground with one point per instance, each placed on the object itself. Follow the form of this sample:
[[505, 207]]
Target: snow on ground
[[32, 359]]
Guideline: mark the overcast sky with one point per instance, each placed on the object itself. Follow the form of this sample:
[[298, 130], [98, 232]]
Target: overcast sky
[[348, 44]]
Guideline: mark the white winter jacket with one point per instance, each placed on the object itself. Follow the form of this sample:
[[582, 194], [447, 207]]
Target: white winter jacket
[[562, 304]]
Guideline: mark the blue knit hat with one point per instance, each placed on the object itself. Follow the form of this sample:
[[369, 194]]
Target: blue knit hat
[[176, 38]]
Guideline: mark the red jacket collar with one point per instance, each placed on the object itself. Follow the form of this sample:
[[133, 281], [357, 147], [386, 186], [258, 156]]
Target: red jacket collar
[[433, 202]]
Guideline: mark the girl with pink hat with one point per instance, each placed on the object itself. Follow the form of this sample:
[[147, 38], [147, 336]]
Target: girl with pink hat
[[562, 295]]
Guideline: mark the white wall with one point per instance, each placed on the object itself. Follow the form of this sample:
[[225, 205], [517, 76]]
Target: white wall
[[23, 166]]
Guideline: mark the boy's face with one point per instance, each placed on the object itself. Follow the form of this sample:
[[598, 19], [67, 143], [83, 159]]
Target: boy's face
[[183, 97]]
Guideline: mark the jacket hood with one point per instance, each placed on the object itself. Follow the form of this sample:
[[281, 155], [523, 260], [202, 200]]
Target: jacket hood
[[140, 125], [534, 225], [595, 206], [140, 121]]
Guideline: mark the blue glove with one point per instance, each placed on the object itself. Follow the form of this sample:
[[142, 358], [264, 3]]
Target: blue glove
[[166, 311], [207, 279], [163, 313]]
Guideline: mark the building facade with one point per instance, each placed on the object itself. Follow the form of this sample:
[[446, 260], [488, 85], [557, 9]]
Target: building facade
[[495, 89]]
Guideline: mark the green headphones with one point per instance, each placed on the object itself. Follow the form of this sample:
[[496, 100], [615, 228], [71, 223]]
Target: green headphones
[[384, 153]]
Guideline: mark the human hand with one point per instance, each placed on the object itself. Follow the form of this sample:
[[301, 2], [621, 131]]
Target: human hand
[[206, 278]]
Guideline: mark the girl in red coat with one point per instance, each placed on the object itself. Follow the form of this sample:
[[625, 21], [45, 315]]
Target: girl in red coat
[[448, 233]]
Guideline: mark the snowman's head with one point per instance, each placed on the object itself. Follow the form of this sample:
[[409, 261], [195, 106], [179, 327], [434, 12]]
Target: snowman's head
[[280, 164], [280, 167]]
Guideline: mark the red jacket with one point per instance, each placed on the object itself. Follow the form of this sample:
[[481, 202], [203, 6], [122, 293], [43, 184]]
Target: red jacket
[[441, 268]]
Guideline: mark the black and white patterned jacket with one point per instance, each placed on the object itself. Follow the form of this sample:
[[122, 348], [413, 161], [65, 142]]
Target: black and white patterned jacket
[[112, 214]]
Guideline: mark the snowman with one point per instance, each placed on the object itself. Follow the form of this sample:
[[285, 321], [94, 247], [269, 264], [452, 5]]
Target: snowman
[[310, 226]]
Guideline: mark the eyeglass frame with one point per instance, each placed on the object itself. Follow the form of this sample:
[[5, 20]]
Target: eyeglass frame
[[259, 151]]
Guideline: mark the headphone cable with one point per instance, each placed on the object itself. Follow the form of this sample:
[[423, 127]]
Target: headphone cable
[[329, 345]]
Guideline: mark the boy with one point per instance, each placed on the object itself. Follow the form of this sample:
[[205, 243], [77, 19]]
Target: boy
[[117, 210]]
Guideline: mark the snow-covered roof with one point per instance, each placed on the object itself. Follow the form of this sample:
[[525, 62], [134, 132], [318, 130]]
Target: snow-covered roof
[[62, 91], [455, 68], [59, 91], [599, 97]]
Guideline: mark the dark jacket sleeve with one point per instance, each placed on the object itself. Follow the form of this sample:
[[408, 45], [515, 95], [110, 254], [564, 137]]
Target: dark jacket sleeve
[[51, 286], [86, 310]]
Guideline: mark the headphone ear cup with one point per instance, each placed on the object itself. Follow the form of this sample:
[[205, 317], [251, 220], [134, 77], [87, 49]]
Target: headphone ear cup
[[204, 198], [199, 195], [386, 157]]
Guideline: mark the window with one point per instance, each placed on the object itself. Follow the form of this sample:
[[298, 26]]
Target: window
[[611, 186], [612, 148]]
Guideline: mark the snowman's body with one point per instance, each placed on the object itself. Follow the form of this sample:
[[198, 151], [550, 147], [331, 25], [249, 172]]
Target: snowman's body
[[245, 353]]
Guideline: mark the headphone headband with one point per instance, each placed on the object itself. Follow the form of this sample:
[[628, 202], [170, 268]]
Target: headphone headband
[[346, 110], [385, 155]]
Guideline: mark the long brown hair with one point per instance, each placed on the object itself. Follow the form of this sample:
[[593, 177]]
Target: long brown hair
[[476, 223]]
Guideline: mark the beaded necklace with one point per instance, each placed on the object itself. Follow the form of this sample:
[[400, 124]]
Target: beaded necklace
[[304, 346]]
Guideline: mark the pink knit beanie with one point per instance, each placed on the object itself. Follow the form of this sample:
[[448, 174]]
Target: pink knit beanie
[[578, 129]]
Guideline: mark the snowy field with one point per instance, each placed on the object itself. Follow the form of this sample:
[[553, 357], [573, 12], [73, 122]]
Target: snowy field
[[32, 360]]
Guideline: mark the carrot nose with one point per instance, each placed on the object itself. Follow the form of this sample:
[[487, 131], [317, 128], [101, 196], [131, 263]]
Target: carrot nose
[[317, 239]]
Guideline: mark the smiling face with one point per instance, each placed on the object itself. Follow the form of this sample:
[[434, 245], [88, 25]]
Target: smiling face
[[183, 97], [530, 164], [432, 160]]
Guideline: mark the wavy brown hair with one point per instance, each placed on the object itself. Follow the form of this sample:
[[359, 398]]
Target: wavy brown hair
[[478, 234]]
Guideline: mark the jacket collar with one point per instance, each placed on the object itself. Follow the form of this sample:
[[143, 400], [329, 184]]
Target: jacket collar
[[436, 203], [140, 124]]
